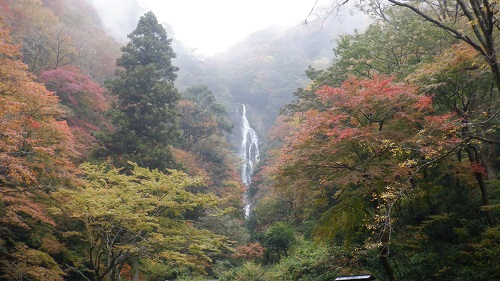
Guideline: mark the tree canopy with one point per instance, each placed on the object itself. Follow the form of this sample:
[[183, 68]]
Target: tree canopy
[[142, 215], [36, 152], [394, 143], [144, 115], [386, 163]]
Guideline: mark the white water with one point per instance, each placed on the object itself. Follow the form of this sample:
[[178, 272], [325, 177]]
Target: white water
[[249, 152]]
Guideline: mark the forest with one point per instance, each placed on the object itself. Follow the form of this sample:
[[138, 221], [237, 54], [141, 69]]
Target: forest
[[379, 148]]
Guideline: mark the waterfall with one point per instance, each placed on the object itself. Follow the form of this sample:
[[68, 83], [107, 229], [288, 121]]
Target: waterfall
[[249, 152]]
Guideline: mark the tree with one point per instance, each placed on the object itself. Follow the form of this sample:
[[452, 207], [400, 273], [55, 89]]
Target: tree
[[36, 149], [462, 87], [252, 251], [309, 260], [141, 215], [83, 101], [451, 197], [47, 43], [395, 45], [279, 237], [145, 115], [361, 155], [473, 22], [204, 126], [34, 143], [387, 47], [201, 116]]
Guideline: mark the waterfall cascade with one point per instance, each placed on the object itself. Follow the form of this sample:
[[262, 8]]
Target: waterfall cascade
[[249, 152]]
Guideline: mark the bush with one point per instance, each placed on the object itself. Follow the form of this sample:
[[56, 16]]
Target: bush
[[278, 239], [307, 261], [248, 271]]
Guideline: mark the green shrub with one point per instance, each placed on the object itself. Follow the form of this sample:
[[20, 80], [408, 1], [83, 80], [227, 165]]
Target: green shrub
[[307, 261], [248, 271]]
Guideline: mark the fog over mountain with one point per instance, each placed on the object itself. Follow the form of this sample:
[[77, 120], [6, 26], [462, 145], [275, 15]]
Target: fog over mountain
[[211, 27], [119, 16], [262, 70]]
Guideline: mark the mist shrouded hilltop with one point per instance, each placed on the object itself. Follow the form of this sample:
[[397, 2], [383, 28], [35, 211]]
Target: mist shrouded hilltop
[[262, 70], [119, 17]]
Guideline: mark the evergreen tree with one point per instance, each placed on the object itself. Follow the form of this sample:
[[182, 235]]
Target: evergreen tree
[[201, 116], [144, 115]]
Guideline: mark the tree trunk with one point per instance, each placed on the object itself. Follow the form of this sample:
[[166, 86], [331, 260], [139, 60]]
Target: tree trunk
[[135, 269], [474, 159], [384, 256], [495, 70]]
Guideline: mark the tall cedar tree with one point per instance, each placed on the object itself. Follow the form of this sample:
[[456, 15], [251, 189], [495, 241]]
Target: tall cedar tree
[[144, 115]]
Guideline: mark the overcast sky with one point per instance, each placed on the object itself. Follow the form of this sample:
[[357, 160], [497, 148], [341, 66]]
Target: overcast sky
[[209, 26]]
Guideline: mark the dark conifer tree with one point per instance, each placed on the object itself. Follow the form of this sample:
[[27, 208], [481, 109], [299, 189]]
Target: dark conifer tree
[[144, 115]]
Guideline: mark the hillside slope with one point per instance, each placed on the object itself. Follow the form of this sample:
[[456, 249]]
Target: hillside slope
[[263, 70]]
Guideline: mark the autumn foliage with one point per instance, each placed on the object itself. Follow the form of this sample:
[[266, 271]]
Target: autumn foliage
[[51, 109], [373, 132], [252, 251], [33, 136], [82, 101], [357, 156], [387, 162], [36, 148]]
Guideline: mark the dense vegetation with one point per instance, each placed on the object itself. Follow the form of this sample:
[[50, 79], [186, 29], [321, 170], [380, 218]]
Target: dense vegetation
[[386, 163], [97, 182], [389, 158]]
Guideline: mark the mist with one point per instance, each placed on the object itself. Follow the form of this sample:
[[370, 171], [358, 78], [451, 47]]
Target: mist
[[119, 17], [217, 28]]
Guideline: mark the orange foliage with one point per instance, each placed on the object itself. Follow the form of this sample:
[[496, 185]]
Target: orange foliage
[[17, 204], [84, 98], [35, 146], [252, 251], [373, 134], [191, 163], [126, 273]]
